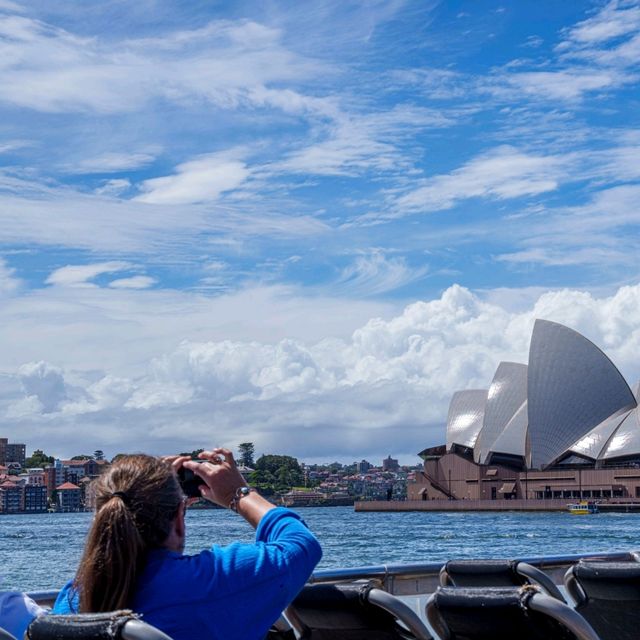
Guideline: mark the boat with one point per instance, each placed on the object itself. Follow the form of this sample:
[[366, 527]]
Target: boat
[[583, 508], [400, 601]]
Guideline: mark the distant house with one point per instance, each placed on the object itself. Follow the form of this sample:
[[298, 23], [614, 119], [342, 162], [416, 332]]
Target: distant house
[[69, 497]]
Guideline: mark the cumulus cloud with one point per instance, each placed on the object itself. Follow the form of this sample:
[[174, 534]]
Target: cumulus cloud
[[385, 388], [44, 382]]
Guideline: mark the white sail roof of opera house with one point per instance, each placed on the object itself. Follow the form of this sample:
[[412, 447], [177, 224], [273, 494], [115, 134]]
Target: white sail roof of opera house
[[506, 394], [572, 387], [592, 444], [513, 440], [625, 442], [466, 413]]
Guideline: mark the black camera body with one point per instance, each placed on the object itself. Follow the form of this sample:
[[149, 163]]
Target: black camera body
[[190, 481]]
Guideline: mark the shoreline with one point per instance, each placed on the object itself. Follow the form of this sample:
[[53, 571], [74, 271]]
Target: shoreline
[[487, 505]]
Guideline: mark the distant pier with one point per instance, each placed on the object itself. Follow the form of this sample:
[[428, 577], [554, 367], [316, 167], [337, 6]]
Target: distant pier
[[489, 505]]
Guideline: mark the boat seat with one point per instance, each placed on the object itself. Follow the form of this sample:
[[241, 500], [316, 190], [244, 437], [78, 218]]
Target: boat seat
[[496, 573], [114, 625], [503, 613], [607, 594], [353, 612]]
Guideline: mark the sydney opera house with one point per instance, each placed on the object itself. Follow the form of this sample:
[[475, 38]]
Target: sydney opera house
[[566, 425]]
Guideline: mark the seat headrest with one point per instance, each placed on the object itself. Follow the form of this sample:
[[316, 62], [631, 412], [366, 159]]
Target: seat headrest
[[84, 626]]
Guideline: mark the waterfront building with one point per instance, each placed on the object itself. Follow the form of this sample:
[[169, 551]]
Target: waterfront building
[[566, 425], [68, 497], [10, 497], [35, 498]]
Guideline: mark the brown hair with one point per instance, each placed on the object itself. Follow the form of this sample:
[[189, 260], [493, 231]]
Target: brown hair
[[137, 499]]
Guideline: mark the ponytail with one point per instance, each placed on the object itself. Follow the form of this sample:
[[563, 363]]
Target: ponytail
[[137, 500]]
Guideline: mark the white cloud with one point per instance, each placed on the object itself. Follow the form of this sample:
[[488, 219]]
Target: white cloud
[[114, 188], [374, 274], [135, 282], [44, 215], [52, 70], [8, 282], [112, 163], [79, 275], [569, 84], [45, 382], [200, 180], [13, 145], [613, 21], [11, 6], [600, 233], [502, 173], [368, 141], [385, 388]]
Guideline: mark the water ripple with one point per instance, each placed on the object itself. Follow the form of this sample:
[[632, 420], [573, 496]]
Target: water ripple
[[41, 551]]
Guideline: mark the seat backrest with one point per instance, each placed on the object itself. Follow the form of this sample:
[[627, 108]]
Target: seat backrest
[[503, 613], [114, 625], [345, 612], [496, 573], [479, 573], [607, 594]]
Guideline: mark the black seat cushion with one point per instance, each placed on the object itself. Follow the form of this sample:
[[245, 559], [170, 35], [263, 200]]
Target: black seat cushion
[[497, 613], [342, 612], [612, 605], [86, 626], [480, 573]]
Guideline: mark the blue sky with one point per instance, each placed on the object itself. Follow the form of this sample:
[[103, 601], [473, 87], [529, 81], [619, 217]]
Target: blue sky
[[243, 191]]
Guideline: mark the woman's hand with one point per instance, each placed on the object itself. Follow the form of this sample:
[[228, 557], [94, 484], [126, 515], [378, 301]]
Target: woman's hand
[[220, 475]]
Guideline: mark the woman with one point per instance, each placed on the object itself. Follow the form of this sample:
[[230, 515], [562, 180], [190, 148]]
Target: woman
[[133, 555]]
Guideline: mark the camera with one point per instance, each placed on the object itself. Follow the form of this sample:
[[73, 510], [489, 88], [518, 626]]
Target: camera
[[190, 482]]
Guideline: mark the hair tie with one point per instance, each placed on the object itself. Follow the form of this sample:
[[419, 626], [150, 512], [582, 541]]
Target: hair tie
[[123, 496]]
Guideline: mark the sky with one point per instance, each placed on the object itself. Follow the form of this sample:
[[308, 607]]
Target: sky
[[304, 224]]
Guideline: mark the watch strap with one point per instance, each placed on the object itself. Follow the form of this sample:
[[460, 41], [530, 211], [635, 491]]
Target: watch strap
[[240, 493]]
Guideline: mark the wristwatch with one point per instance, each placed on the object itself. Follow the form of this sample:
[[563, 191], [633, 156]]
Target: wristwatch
[[241, 492]]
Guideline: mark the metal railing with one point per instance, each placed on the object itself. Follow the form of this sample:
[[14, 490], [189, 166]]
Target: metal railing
[[415, 578]]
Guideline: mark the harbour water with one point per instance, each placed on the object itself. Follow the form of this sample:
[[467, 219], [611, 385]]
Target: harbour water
[[42, 551]]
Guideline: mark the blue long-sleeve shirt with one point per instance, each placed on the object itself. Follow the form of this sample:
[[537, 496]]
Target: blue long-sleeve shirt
[[233, 592]]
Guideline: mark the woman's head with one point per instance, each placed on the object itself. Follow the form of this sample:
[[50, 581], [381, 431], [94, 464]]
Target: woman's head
[[137, 501]]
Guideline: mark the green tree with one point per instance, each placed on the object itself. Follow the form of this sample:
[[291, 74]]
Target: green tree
[[285, 470], [192, 454], [98, 454], [246, 451], [38, 459], [82, 457]]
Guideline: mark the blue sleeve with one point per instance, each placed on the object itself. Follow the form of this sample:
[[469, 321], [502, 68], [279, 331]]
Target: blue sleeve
[[279, 563], [67, 600]]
